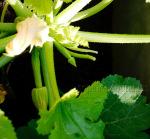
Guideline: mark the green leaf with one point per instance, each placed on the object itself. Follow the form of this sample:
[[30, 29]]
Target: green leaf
[[75, 117], [6, 127], [128, 89], [93, 97], [29, 131], [125, 121], [40, 7], [125, 114]]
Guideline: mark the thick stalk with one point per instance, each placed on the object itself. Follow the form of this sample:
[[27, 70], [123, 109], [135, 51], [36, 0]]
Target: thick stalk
[[48, 68], [36, 67], [114, 38]]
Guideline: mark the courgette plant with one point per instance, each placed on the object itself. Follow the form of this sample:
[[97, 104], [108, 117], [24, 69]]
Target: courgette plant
[[42, 25]]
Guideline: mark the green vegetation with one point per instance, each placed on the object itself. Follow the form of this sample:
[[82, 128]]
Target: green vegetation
[[113, 108]]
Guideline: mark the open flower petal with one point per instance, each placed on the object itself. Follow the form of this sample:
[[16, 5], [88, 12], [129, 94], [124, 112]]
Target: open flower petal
[[30, 32]]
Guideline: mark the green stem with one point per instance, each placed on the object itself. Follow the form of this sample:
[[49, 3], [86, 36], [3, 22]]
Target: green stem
[[91, 11], [36, 67], [4, 60], [4, 11], [114, 38], [65, 53], [50, 16], [67, 14], [82, 56], [19, 8], [3, 34], [48, 68], [4, 41], [57, 6], [82, 50], [8, 27]]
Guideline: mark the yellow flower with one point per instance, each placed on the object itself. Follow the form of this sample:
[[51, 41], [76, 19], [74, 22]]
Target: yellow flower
[[30, 32]]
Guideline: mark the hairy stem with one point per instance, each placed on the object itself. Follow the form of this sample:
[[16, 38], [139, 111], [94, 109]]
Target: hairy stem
[[114, 38], [48, 68]]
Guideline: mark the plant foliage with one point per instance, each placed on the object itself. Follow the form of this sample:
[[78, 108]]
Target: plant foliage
[[76, 117], [6, 128], [123, 120], [114, 109]]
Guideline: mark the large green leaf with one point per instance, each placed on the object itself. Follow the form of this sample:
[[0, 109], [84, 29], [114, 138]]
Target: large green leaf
[[76, 118], [125, 120], [6, 128]]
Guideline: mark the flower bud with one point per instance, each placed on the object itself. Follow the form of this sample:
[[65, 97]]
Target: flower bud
[[40, 98]]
